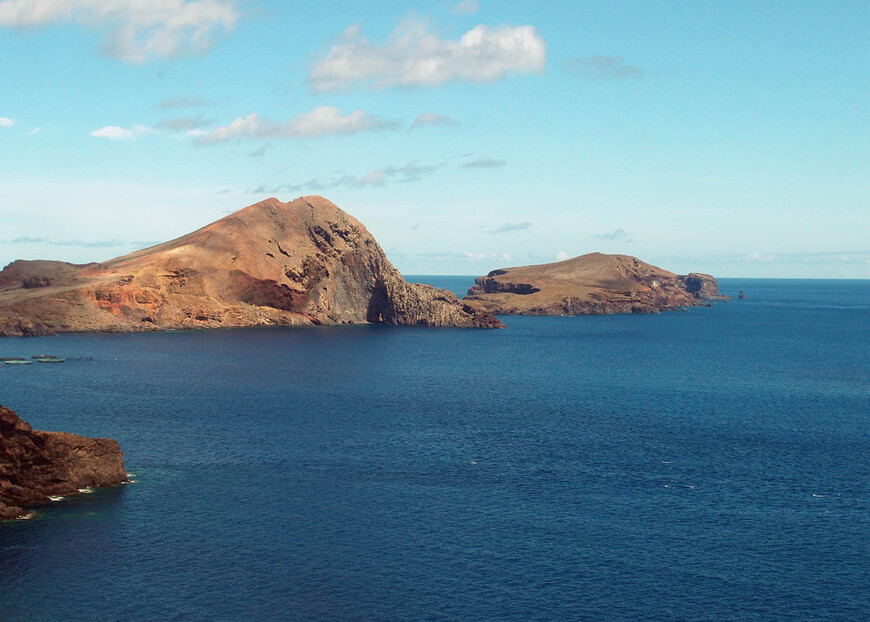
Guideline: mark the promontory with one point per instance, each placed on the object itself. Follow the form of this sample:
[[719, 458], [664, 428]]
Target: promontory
[[35, 466], [305, 262], [590, 284]]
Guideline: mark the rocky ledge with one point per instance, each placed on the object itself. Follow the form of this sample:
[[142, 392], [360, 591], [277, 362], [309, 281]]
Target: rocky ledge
[[305, 262], [37, 465], [593, 284]]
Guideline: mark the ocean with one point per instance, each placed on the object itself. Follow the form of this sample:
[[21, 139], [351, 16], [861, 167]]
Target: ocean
[[712, 464]]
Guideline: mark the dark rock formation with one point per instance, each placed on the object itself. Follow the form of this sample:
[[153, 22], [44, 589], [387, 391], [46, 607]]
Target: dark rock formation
[[36, 465], [398, 302], [305, 262], [702, 286], [591, 284]]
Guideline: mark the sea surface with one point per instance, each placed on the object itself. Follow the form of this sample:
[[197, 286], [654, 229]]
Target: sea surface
[[704, 465]]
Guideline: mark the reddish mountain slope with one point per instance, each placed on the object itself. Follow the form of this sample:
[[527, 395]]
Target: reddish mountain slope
[[298, 263]]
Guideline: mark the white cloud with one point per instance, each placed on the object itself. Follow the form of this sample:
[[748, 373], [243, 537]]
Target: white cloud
[[430, 118], [412, 171], [615, 235], [372, 178], [485, 163], [242, 127], [759, 257], [562, 256], [329, 120], [413, 56], [113, 132], [322, 121], [26, 239], [603, 67], [6, 122], [466, 7], [184, 124], [36, 130], [183, 102], [259, 152], [134, 30], [510, 227], [378, 177], [499, 256]]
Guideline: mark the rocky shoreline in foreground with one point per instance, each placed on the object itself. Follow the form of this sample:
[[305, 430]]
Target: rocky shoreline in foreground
[[36, 466]]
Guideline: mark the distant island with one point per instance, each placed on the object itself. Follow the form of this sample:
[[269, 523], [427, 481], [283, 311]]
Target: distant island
[[592, 284], [305, 262], [36, 466]]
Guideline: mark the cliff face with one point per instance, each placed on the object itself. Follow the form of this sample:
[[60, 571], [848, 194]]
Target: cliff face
[[305, 262], [590, 285], [35, 465], [701, 286]]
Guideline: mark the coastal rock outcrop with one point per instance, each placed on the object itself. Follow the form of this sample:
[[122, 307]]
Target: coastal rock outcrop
[[593, 284], [701, 286], [305, 262], [37, 465]]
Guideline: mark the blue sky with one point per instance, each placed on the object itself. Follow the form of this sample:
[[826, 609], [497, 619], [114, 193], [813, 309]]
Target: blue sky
[[730, 138]]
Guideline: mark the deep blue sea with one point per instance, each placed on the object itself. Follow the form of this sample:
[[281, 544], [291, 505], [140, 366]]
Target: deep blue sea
[[704, 465]]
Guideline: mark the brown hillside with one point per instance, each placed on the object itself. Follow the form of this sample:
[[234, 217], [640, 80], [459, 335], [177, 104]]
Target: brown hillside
[[589, 284], [299, 263]]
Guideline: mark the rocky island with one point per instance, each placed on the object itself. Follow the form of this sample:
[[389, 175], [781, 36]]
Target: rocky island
[[35, 466], [591, 284], [305, 262]]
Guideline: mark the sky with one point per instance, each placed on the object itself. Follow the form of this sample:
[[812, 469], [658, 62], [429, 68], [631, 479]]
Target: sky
[[731, 138]]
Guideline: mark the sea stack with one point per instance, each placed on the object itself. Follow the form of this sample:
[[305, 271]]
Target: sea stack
[[592, 284], [305, 262], [37, 465]]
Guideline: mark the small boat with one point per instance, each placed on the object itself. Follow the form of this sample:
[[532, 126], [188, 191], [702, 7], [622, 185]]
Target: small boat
[[4, 359], [39, 357], [18, 362], [50, 360]]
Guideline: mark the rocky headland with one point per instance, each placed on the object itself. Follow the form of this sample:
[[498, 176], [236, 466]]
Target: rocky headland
[[305, 262], [592, 284], [35, 466]]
